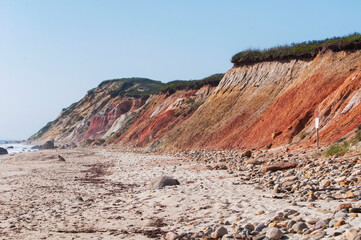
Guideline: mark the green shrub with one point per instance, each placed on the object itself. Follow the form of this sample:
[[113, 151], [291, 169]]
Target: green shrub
[[338, 149], [298, 50]]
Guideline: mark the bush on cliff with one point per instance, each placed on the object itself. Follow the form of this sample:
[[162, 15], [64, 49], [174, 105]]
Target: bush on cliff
[[143, 87], [302, 50]]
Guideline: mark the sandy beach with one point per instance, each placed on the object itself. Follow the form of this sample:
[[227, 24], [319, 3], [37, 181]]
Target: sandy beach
[[99, 193]]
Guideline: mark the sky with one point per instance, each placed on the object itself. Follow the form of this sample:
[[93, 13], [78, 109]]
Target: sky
[[53, 52]]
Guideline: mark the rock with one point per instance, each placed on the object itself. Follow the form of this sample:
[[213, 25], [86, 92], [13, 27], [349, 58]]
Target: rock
[[220, 232], [312, 220], [249, 226], [163, 181], [299, 226], [355, 210], [3, 151], [326, 183], [278, 166], [61, 158], [290, 179], [35, 147], [254, 161], [47, 145], [274, 233], [227, 237], [10, 147], [350, 234], [290, 224], [349, 194], [321, 224], [260, 212], [339, 223], [344, 206], [247, 153], [158, 222], [260, 227], [171, 236]]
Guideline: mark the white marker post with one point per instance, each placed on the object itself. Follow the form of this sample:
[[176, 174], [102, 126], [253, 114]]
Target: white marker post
[[317, 122]]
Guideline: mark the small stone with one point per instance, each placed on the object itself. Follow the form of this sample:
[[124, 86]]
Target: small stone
[[312, 220], [260, 227], [249, 226], [353, 215], [274, 233], [298, 227], [171, 236], [350, 234], [260, 212], [344, 206], [273, 224], [355, 210], [339, 223], [290, 224], [321, 224], [326, 183], [349, 194], [220, 232], [61, 158], [247, 154], [227, 237]]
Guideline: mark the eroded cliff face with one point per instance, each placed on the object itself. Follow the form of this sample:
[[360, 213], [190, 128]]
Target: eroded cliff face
[[272, 104], [261, 105]]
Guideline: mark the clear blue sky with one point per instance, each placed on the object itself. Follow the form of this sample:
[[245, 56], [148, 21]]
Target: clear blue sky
[[52, 52]]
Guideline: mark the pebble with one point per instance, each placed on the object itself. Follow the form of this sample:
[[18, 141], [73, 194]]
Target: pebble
[[299, 226], [344, 206], [220, 232], [339, 223], [350, 234], [274, 233]]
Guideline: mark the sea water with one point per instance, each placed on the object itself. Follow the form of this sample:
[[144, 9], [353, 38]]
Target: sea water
[[14, 147]]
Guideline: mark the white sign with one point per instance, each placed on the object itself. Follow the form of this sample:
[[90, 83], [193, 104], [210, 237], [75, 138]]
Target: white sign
[[317, 122]]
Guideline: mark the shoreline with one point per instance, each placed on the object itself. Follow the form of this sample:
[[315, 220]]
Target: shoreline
[[99, 192]]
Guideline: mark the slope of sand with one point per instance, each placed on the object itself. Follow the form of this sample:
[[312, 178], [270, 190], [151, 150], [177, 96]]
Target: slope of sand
[[102, 193]]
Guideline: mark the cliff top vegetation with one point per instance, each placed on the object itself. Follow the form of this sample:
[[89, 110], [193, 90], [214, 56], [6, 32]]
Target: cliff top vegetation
[[144, 87], [304, 50]]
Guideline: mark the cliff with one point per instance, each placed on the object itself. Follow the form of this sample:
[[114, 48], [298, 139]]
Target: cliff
[[256, 105]]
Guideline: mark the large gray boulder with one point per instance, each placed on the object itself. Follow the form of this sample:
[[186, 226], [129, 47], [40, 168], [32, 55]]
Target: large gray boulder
[[47, 145], [162, 181], [3, 151]]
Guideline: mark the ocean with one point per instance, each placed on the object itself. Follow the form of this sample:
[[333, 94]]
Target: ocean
[[14, 147]]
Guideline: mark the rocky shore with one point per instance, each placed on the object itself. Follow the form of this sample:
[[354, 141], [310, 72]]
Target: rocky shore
[[97, 193]]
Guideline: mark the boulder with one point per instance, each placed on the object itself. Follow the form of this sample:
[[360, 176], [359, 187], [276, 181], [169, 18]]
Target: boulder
[[278, 166], [247, 154], [35, 147], [10, 147], [3, 151], [47, 145], [162, 181]]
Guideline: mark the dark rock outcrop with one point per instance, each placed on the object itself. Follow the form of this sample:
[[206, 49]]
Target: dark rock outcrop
[[47, 145], [3, 151]]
